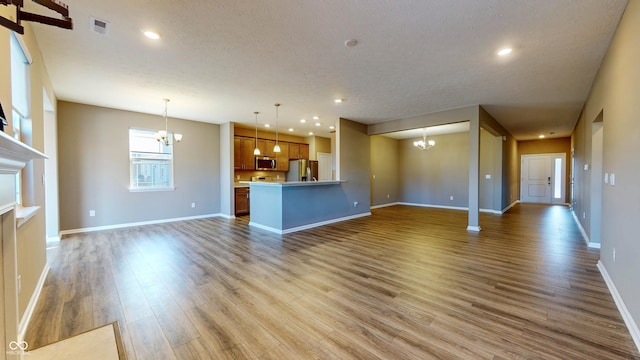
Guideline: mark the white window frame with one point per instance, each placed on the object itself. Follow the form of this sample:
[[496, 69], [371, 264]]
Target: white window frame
[[147, 155]]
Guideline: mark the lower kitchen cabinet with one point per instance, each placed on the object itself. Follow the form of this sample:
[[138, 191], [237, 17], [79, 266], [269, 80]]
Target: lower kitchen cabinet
[[243, 201]]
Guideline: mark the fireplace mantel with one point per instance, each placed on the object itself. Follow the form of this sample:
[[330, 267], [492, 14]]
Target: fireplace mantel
[[14, 155]]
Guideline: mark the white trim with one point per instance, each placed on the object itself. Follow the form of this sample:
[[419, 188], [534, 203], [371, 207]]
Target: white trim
[[473, 228], [594, 245], [626, 315], [28, 312], [510, 206], [151, 222], [384, 205], [152, 189], [53, 239], [491, 211], [584, 233], [308, 226], [435, 206], [226, 216]]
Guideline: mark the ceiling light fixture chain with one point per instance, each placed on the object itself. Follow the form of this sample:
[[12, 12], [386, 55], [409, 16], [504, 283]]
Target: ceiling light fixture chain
[[163, 135]]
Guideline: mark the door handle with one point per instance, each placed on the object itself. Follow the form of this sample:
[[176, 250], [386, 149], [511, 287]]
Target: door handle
[[549, 180]]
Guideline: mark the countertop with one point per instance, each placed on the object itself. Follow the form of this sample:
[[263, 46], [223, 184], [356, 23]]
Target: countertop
[[293, 183]]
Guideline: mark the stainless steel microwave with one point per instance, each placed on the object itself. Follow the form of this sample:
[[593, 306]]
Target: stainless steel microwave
[[265, 163]]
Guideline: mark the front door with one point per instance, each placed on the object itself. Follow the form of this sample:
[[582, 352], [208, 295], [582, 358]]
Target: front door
[[543, 178]]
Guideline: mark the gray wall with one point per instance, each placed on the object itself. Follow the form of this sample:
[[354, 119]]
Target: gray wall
[[491, 165], [94, 168], [354, 153], [431, 176], [384, 170], [615, 92]]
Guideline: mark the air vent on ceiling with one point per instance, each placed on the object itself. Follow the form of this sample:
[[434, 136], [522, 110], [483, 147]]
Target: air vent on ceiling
[[99, 26]]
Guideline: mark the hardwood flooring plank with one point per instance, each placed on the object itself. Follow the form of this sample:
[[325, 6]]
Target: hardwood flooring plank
[[404, 283]]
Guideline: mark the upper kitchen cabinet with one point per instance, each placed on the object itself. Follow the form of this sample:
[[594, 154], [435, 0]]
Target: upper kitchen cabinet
[[266, 147], [282, 158], [243, 158], [298, 151]]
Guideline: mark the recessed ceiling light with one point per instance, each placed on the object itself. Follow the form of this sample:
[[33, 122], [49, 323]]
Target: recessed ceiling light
[[505, 51], [316, 118], [351, 43], [152, 35], [267, 125], [290, 129], [318, 124], [541, 136], [310, 132], [302, 121], [332, 127], [338, 101]]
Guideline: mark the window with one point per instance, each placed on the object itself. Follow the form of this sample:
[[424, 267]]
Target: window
[[557, 182], [20, 102], [151, 162]]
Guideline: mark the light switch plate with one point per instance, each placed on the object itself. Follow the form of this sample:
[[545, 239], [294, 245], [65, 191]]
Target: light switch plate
[[586, 167]]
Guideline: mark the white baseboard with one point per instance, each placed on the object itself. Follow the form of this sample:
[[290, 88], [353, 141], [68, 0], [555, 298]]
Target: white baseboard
[[434, 206], [473, 228], [622, 308], [584, 233], [31, 306], [53, 239], [384, 205], [308, 226], [151, 222], [510, 206]]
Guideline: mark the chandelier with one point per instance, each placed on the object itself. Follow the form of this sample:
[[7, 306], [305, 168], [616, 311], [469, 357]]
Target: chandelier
[[163, 135], [424, 144]]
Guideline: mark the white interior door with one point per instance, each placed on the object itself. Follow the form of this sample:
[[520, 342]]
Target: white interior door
[[543, 178], [324, 166]]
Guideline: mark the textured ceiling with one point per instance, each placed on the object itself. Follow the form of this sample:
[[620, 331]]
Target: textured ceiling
[[219, 61]]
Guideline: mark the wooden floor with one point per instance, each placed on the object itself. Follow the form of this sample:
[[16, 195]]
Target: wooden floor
[[405, 283]]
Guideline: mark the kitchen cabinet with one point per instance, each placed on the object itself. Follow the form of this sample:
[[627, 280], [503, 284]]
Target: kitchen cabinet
[[243, 201], [282, 158], [304, 151], [243, 158], [266, 147], [298, 151]]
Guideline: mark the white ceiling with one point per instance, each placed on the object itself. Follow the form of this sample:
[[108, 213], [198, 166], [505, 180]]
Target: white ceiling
[[219, 61], [430, 131]]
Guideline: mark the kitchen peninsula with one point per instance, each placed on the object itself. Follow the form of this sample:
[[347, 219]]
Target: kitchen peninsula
[[285, 207]]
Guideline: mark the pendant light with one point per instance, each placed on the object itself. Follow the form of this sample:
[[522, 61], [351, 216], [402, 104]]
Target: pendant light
[[276, 149], [424, 144], [256, 151], [163, 135]]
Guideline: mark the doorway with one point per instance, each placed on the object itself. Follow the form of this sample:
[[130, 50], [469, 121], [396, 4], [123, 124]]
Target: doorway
[[542, 178], [51, 170], [324, 166]]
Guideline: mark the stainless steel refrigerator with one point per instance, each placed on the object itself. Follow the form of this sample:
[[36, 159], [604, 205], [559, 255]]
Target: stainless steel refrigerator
[[302, 170]]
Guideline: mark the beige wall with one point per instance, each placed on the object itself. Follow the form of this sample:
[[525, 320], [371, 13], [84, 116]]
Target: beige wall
[[384, 170], [93, 145], [615, 92], [354, 154], [431, 176]]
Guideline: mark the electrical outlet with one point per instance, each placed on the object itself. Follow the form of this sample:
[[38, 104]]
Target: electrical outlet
[[584, 215], [355, 204], [451, 197], [92, 213], [614, 254], [387, 196], [193, 205], [19, 283]]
